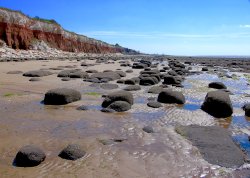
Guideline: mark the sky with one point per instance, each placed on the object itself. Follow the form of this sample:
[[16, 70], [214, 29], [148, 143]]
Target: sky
[[173, 27]]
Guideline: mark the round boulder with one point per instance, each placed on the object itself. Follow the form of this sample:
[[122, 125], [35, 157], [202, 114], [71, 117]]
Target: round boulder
[[170, 96], [154, 104], [217, 85], [218, 104], [61, 96], [29, 156], [120, 106], [246, 108], [118, 96], [72, 152], [132, 88]]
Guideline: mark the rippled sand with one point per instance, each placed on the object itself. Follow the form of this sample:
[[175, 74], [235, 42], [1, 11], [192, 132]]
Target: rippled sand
[[24, 120]]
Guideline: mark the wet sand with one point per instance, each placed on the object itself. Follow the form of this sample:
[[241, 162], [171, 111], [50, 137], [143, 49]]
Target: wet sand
[[25, 120]]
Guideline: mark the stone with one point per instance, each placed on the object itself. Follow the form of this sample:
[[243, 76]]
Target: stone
[[34, 79], [218, 104], [217, 85], [148, 129], [118, 96], [29, 156], [132, 88], [61, 96], [214, 143], [246, 108], [154, 104], [72, 152], [37, 73], [155, 90], [170, 96], [120, 106]]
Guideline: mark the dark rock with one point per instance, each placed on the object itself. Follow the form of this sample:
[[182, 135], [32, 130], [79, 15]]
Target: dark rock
[[107, 110], [155, 90], [120, 106], [78, 74], [215, 144], [147, 81], [61, 96], [218, 104], [66, 79], [35, 79], [120, 81], [172, 80], [72, 152], [148, 129], [29, 156], [169, 96], [82, 108], [37, 73], [132, 88], [217, 85], [246, 108], [66, 73], [108, 86], [154, 104], [91, 71], [118, 96], [93, 80], [204, 69], [129, 82], [129, 71]]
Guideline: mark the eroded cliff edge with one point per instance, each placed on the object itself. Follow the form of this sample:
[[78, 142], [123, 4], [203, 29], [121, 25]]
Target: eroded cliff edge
[[20, 32]]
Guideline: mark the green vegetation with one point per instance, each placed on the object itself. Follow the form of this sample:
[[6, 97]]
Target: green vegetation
[[51, 21], [93, 94], [8, 94]]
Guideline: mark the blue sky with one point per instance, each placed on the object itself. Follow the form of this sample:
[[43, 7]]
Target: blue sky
[[177, 27]]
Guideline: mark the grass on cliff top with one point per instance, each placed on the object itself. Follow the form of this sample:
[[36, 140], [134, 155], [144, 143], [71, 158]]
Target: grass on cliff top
[[51, 21]]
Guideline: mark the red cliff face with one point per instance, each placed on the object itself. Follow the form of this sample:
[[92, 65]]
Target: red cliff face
[[20, 31]]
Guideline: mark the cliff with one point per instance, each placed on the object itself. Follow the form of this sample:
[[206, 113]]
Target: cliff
[[20, 32]]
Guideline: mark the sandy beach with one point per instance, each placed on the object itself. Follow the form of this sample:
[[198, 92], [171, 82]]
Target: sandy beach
[[115, 144]]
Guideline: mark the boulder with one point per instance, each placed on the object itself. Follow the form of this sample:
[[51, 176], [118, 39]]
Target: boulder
[[118, 96], [168, 79], [217, 85], [170, 96], [155, 90], [132, 88], [78, 74], [215, 144], [37, 73], [66, 73], [35, 79], [246, 108], [147, 81], [148, 129], [29, 156], [218, 104], [72, 152], [154, 104], [120, 106], [129, 82], [61, 96]]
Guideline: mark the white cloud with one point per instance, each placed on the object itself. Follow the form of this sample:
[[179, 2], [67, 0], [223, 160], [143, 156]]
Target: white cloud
[[244, 26]]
